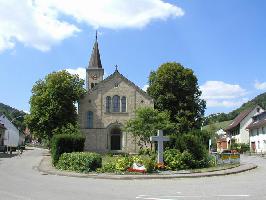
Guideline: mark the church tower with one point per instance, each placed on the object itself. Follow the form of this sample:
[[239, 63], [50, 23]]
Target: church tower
[[94, 72]]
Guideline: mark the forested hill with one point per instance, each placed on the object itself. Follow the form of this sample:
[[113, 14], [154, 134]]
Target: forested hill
[[14, 115], [220, 117]]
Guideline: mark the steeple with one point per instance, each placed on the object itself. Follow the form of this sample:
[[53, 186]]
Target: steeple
[[95, 71], [95, 60]]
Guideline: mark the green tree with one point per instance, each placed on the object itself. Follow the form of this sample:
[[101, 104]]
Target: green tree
[[147, 122], [53, 103], [175, 89]]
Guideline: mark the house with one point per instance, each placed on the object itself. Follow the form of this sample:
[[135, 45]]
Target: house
[[11, 136], [257, 131], [237, 130], [222, 141], [106, 107]]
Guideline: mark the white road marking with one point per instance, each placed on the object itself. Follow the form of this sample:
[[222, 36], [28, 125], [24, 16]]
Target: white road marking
[[165, 197], [174, 197], [152, 198], [233, 195]]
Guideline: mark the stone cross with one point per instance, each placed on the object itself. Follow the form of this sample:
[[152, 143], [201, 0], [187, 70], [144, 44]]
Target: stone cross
[[160, 139]]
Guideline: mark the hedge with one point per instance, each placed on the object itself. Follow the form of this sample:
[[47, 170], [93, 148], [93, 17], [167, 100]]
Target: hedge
[[65, 143], [79, 161]]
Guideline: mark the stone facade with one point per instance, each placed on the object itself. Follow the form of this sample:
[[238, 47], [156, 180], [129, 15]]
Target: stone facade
[[106, 107]]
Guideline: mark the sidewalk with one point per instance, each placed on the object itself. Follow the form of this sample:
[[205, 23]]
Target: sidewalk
[[45, 167]]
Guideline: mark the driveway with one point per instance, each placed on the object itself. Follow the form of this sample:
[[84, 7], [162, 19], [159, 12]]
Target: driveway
[[20, 180]]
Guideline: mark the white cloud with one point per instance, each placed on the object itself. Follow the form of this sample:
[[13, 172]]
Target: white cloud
[[145, 87], [81, 72], [260, 86], [225, 103], [33, 25], [116, 13], [39, 23], [221, 90], [221, 94]]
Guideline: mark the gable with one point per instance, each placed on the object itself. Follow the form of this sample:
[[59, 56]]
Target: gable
[[249, 113], [117, 81]]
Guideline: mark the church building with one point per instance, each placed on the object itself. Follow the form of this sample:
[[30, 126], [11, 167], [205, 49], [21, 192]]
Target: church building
[[106, 107]]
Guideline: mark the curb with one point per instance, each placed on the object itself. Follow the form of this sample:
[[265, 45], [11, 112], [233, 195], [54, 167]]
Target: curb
[[45, 167]]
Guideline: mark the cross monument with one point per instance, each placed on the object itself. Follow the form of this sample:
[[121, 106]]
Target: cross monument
[[160, 139]]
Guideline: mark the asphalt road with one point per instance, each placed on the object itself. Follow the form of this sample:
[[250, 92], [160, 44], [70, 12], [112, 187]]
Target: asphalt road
[[20, 180]]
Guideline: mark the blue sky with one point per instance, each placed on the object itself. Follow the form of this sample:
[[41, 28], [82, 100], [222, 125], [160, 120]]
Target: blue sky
[[223, 41]]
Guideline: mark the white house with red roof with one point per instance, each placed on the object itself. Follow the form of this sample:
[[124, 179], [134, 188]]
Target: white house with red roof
[[238, 128]]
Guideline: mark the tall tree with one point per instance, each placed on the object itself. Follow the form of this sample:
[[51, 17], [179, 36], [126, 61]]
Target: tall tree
[[147, 122], [175, 89], [53, 103]]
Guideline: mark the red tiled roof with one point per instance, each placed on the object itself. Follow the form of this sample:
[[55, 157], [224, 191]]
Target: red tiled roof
[[238, 119], [257, 124]]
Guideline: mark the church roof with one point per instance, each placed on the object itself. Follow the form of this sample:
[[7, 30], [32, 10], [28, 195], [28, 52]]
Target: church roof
[[95, 60], [117, 73]]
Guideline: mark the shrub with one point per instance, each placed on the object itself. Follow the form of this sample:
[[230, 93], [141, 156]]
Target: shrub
[[146, 151], [79, 161], [244, 147], [123, 163], [65, 143], [172, 159], [188, 161], [107, 167], [175, 160], [240, 147]]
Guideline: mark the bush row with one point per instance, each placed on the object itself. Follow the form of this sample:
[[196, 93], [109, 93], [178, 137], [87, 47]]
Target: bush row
[[65, 143], [79, 161], [175, 160]]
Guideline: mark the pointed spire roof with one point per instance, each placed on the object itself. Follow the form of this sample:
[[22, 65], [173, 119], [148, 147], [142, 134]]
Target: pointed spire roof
[[95, 60]]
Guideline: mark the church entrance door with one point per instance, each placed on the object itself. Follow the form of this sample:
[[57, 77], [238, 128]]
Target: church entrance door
[[116, 136]]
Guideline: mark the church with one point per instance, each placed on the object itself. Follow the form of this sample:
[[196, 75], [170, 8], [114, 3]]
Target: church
[[108, 104]]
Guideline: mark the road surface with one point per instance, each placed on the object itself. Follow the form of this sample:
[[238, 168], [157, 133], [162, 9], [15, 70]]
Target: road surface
[[20, 180]]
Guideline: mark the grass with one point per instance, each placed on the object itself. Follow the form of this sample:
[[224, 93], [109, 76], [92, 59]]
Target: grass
[[217, 125]]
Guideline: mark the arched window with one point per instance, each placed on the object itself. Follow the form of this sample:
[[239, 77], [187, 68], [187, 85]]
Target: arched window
[[116, 103], [89, 119], [124, 104], [108, 104]]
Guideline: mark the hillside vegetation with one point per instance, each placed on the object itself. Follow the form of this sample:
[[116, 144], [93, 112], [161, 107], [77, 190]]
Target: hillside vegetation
[[220, 117], [14, 115]]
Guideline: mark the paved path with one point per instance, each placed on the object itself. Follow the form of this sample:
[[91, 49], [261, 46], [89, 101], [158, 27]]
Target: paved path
[[21, 180]]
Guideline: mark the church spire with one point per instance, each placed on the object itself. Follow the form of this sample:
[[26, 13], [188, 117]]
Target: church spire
[[95, 60]]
